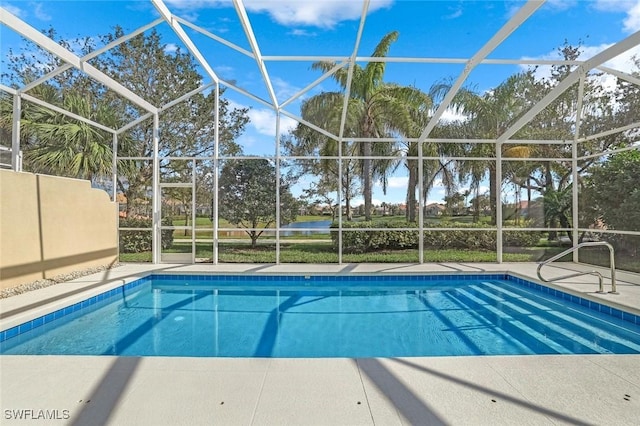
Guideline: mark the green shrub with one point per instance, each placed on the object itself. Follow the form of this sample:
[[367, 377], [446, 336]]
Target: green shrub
[[435, 237], [141, 241], [366, 241], [520, 238], [459, 239]]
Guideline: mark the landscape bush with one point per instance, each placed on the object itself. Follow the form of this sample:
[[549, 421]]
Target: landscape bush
[[367, 241], [436, 237], [141, 241]]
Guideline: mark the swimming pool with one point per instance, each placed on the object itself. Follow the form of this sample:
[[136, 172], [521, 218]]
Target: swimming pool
[[328, 316]]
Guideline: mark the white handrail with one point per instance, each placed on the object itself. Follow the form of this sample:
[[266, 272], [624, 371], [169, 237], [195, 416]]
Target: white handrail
[[598, 274]]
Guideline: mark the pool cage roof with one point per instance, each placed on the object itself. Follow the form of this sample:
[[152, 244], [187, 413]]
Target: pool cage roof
[[272, 57]]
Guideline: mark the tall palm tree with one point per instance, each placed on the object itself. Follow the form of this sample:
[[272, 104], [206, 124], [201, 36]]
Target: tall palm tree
[[375, 110], [489, 115]]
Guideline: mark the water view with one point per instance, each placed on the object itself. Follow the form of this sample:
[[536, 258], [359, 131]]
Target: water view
[[318, 226]]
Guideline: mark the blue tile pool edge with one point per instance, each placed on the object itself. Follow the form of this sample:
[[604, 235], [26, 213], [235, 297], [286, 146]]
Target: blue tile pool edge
[[73, 308], [84, 304]]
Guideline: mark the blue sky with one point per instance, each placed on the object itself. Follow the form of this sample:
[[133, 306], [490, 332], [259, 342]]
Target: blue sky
[[447, 29]]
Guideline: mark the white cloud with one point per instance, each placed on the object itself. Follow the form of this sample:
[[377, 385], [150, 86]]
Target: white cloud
[[284, 90], [455, 14], [614, 5], [623, 62], [264, 122], [247, 141], [322, 14], [562, 4], [170, 48], [39, 12], [225, 71], [14, 10], [436, 195], [356, 202], [36, 8], [302, 33], [632, 21], [450, 116], [631, 8], [398, 182]]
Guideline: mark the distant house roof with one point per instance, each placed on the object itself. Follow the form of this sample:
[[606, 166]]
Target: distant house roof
[[436, 206]]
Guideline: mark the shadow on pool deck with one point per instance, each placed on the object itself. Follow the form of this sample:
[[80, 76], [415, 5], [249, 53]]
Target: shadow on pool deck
[[107, 394], [415, 411]]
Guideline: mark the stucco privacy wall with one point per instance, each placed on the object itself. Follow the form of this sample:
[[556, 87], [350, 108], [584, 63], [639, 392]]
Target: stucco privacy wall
[[51, 226]]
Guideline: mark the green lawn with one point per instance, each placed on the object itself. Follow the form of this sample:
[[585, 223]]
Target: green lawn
[[322, 252]]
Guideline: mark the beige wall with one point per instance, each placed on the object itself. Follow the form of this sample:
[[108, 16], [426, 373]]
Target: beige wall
[[51, 226]]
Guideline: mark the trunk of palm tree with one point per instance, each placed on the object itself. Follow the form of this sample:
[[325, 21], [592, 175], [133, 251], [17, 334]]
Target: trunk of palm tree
[[411, 191], [476, 205], [366, 180], [528, 197], [551, 222], [493, 194], [346, 185], [347, 206]]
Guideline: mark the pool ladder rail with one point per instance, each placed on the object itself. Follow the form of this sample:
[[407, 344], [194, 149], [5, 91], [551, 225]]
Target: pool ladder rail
[[577, 274]]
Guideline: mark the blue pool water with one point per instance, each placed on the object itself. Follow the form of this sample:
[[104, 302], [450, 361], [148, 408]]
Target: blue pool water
[[249, 316]]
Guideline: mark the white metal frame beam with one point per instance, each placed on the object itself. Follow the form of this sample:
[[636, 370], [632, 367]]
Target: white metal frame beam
[[621, 75], [15, 133], [635, 125], [352, 64], [91, 55], [246, 93], [213, 36], [182, 35], [322, 78], [419, 60], [255, 47], [27, 31], [597, 60], [65, 112], [516, 20]]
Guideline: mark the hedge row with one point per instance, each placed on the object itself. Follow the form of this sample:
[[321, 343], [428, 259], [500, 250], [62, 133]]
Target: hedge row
[[367, 241], [141, 241]]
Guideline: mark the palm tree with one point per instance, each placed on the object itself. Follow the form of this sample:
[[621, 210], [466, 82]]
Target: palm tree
[[54, 143], [70, 147], [375, 110], [489, 116]]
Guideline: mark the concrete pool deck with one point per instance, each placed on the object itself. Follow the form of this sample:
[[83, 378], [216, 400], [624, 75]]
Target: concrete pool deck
[[491, 390]]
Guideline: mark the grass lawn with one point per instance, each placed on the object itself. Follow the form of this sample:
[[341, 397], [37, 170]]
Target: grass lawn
[[322, 252]]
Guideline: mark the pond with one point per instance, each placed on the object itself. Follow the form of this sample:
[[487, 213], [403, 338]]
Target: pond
[[318, 226]]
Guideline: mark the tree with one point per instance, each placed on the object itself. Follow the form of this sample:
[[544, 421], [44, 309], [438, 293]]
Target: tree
[[614, 190], [68, 147], [489, 116], [375, 109], [247, 196], [143, 65], [557, 207], [454, 203]]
